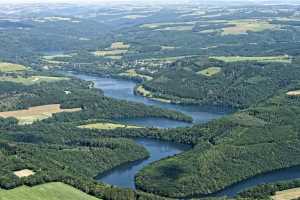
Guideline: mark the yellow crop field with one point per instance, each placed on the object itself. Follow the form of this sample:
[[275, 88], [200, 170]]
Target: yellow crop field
[[36, 113], [287, 194]]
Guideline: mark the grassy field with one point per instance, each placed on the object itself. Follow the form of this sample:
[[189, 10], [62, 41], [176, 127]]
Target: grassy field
[[287, 194], [210, 71], [142, 91], [48, 191], [177, 28], [119, 45], [11, 67], [32, 79], [243, 26], [53, 57], [134, 16], [116, 52], [281, 59], [167, 48], [107, 126], [36, 113], [133, 73]]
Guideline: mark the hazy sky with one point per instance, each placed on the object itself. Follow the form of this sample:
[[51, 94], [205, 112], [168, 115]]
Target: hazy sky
[[96, 1]]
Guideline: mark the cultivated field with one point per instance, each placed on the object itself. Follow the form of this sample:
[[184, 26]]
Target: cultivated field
[[133, 73], [287, 194], [11, 67], [243, 26], [107, 126], [142, 91], [119, 45], [32, 79], [293, 93], [210, 71], [116, 52], [33, 114], [281, 59], [48, 191], [23, 173]]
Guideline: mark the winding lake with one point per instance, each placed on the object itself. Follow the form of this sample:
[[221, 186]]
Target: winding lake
[[123, 176]]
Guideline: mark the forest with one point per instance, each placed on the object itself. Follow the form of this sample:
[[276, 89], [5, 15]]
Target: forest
[[241, 57]]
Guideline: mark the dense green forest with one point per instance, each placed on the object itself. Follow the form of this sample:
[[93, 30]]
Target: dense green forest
[[244, 57]]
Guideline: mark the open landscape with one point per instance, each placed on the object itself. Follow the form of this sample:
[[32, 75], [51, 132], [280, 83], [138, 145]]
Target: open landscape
[[149, 100]]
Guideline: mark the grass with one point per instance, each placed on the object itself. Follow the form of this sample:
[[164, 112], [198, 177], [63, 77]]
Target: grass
[[133, 73], [168, 48], [36, 113], [171, 24], [11, 67], [32, 79], [210, 71], [107, 126], [281, 59], [119, 45], [142, 91], [115, 52], [53, 57], [287, 194], [243, 26], [134, 16], [48, 191], [177, 28]]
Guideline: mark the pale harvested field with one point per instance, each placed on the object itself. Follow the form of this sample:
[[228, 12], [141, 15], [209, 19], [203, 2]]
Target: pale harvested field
[[115, 52], [107, 126], [24, 173], [287, 194], [293, 93], [119, 45], [33, 114]]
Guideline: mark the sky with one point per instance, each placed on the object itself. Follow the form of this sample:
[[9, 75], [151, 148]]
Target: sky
[[91, 1]]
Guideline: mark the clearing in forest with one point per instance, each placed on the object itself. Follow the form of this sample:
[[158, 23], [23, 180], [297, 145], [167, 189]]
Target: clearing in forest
[[48, 191], [243, 26], [24, 173], [33, 114], [263, 59], [119, 45], [116, 52], [133, 73], [107, 126], [287, 194], [210, 71], [11, 67], [32, 79], [293, 93], [142, 91]]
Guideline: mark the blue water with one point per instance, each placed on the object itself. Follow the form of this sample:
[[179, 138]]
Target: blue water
[[124, 90], [123, 176]]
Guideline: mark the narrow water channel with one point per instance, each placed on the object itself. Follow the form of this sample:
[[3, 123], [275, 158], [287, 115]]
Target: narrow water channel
[[123, 176]]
